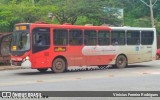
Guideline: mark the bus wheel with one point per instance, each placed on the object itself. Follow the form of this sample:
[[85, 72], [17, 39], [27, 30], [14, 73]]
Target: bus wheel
[[59, 65], [42, 69], [121, 61]]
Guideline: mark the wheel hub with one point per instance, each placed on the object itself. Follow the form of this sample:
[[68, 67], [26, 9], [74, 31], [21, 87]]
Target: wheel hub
[[59, 65], [121, 61]]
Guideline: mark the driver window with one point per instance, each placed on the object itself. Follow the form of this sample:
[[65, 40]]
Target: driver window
[[41, 39]]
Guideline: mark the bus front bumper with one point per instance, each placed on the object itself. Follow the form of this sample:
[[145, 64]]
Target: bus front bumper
[[23, 64], [26, 64]]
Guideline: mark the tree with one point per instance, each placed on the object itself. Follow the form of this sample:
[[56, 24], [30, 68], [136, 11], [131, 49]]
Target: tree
[[150, 5], [15, 12], [79, 12], [27, 12], [68, 11], [7, 19]]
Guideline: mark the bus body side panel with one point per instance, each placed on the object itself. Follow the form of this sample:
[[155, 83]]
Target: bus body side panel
[[41, 59], [146, 52], [99, 55], [75, 56], [131, 52]]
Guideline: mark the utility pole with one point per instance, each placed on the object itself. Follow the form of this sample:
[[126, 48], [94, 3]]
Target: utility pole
[[152, 16], [151, 5], [33, 2]]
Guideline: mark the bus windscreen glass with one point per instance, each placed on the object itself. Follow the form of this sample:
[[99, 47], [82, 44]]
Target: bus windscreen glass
[[20, 41]]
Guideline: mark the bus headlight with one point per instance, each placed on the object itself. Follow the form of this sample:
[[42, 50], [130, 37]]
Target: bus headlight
[[26, 58]]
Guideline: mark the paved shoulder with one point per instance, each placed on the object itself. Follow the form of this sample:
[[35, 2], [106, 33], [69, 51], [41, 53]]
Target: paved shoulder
[[9, 67]]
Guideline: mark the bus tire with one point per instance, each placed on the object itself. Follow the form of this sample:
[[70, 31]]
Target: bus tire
[[42, 70], [121, 62], [58, 65]]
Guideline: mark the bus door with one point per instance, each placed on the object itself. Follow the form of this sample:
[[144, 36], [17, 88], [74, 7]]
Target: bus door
[[146, 45], [40, 47]]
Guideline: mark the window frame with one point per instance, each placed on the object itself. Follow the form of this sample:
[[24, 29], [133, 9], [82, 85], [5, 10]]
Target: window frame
[[86, 40], [117, 39], [109, 38], [66, 39], [73, 38], [138, 39], [152, 38]]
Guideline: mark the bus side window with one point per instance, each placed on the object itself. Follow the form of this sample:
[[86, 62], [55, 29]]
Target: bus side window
[[114, 42], [103, 37], [118, 37], [147, 37], [133, 37], [75, 37], [90, 37], [60, 37]]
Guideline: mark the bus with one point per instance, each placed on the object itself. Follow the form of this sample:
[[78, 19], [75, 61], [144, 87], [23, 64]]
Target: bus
[[49, 46]]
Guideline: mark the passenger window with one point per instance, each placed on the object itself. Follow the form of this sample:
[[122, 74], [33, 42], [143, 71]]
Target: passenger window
[[147, 37], [75, 37], [118, 37], [133, 37], [103, 37], [60, 37], [90, 37]]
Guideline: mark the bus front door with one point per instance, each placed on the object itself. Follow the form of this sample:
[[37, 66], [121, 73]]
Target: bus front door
[[40, 48]]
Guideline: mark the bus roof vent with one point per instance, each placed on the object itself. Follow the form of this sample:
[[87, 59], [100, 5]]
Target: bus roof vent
[[105, 24], [67, 24], [126, 26], [88, 25], [41, 22]]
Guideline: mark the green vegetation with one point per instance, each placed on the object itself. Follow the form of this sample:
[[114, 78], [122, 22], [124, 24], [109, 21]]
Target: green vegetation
[[80, 12]]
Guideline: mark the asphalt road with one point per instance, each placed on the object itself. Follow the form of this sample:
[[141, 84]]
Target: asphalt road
[[137, 77]]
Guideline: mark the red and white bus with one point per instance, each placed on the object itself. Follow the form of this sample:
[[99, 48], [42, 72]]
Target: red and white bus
[[43, 46]]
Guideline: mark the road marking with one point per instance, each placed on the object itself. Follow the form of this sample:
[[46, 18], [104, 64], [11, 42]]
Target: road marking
[[150, 72]]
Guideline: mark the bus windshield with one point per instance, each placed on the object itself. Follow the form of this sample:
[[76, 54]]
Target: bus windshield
[[20, 41]]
